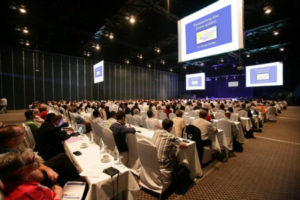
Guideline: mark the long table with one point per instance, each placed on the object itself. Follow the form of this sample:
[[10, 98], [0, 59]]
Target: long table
[[90, 166]]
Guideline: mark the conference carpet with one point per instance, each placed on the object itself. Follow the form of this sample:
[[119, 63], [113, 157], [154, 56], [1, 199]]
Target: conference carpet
[[267, 169]]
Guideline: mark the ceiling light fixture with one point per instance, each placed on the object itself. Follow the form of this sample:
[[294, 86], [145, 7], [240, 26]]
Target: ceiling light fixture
[[281, 49], [163, 62], [222, 60], [22, 9], [248, 55], [202, 64], [111, 36], [132, 19], [127, 61], [97, 47], [185, 67], [25, 30], [267, 10], [157, 50], [140, 56], [27, 43], [149, 65], [88, 54], [171, 70], [275, 33]]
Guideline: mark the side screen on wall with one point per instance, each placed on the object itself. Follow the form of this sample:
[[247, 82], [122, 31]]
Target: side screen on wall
[[233, 84], [99, 72], [270, 74], [216, 29], [195, 81]]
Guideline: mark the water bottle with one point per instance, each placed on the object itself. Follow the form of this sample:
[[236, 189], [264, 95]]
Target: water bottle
[[116, 155], [184, 133]]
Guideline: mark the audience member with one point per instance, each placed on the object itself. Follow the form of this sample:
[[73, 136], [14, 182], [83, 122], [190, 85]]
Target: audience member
[[179, 123], [151, 122], [111, 120]]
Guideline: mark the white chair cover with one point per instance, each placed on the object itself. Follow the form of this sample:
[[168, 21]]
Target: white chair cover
[[162, 115], [243, 113], [29, 140], [129, 119], [172, 115], [225, 125], [219, 115], [150, 176], [234, 117], [133, 159], [97, 132], [271, 113], [108, 139]]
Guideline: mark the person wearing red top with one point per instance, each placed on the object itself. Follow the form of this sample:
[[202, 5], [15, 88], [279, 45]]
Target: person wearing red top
[[16, 169], [168, 110], [208, 117], [43, 112]]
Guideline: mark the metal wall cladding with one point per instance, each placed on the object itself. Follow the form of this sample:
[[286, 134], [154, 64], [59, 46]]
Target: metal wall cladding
[[28, 75]]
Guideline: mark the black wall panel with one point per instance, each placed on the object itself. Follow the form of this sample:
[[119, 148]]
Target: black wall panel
[[27, 75]]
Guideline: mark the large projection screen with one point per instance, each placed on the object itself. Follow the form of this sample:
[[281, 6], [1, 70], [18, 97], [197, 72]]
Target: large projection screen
[[215, 29], [99, 72], [195, 81], [270, 74]]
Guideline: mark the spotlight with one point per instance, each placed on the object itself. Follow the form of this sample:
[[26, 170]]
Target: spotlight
[[185, 67], [222, 60], [275, 33], [25, 30], [111, 36], [163, 62], [202, 64], [248, 55], [22, 9], [267, 10], [157, 50], [27, 43], [140, 56], [132, 19], [97, 47], [171, 70], [127, 61], [88, 54], [149, 65], [281, 49]]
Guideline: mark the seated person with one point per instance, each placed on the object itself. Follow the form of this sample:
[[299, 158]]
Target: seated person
[[167, 147], [205, 127], [137, 117], [37, 117], [128, 117], [34, 126], [151, 122], [57, 169], [179, 123], [96, 118], [16, 169], [43, 111], [120, 131], [111, 120], [50, 137]]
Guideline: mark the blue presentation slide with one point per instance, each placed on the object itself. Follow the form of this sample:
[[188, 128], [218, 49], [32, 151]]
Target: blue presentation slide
[[263, 75], [99, 72], [209, 31], [269, 74], [195, 81]]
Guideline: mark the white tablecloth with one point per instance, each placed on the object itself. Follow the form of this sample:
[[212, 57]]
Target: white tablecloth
[[246, 123], [90, 166], [188, 156]]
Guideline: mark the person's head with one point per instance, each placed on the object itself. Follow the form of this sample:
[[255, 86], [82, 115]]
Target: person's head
[[29, 115], [179, 113], [222, 107], [18, 165], [113, 114], [202, 114], [120, 117], [127, 110], [36, 111], [168, 107], [230, 109], [96, 113], [136, 111], [167, 124], [149, 113], [11, 136], [43, 108], [49, 117], [227, 115], [57, 120]]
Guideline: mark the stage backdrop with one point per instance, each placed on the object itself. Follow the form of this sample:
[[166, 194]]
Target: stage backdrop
[[71, 78]]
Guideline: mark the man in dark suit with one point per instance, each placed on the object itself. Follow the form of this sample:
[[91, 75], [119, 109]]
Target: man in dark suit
[[120, 130]]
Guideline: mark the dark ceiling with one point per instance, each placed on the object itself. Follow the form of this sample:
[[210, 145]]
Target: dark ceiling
[[74, 27]]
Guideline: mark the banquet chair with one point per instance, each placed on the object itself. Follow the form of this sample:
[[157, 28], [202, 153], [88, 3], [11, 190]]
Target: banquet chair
[[172, 115], [129, 119], [271, 114], [234, 117], [29, 140], [162, 115], [219, 115], [204, 152], [243, 113], [133, 157], [150, 175], [97, 132], [108, 139], [225, 125]]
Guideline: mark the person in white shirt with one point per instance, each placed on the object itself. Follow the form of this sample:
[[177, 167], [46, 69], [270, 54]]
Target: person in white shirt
[[3, 105], [205, 126], [179, 123], [111, 120], [152, 123], [137, 117]]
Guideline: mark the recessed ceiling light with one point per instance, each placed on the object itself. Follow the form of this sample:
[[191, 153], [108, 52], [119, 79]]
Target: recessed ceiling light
[[267, 10], [127, 61], [248, 55], [111, 36], [163, 62], [281, 49], [149, 65], [88, 54], [202, 64], [25, 30], [185, 67], [275, 32], [132, 19], [97, 47], [171, 70], [22, 9], [27, 43], [222, 60]]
